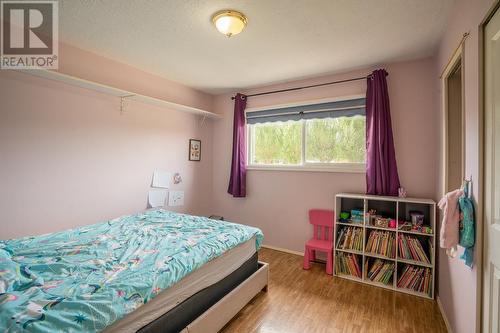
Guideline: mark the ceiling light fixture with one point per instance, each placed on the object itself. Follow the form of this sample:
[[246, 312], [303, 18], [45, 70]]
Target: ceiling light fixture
[[229, 22]]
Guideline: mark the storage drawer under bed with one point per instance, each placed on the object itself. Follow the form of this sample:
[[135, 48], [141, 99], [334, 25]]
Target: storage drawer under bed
[[214, 319]]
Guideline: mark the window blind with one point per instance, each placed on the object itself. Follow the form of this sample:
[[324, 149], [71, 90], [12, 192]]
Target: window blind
[[343, 108]]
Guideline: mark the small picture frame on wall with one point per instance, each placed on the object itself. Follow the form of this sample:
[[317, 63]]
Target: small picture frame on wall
[[194, 150]]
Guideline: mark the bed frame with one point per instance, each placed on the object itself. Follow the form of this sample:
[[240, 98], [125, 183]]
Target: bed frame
[[213, 307]]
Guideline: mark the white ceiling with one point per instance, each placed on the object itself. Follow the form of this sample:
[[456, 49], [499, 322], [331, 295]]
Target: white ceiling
[[284, 39]]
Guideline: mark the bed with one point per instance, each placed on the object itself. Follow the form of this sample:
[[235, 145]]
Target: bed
[[156, 271]]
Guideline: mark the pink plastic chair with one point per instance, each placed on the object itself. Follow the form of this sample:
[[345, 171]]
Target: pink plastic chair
[[323, 221]]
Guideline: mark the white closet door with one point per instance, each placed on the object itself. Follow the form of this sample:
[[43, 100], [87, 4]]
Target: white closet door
[[491, 296]]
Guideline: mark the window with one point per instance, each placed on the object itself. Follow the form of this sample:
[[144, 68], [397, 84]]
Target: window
[[327, 135], [276, 143]]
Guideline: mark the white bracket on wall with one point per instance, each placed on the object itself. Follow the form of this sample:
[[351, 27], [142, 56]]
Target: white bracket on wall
[[203, 120], [122, 103]]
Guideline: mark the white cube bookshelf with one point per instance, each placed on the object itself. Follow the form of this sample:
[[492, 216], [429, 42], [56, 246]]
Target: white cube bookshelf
[[394, 208]]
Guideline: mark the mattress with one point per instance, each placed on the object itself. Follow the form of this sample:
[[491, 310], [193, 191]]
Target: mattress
[[88, 278], [209, 274]]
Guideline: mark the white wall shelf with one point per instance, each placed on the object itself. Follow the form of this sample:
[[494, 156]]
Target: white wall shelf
[[123, 94], [398, 209]]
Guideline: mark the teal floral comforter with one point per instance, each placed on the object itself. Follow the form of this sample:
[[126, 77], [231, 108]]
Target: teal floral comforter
[[84, 279]]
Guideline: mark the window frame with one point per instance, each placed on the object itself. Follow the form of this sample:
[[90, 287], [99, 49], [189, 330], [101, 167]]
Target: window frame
[[304, 166]]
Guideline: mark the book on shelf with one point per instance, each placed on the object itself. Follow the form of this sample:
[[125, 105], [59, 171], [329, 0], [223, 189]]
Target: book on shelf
[[380, 271], [418, 279], [382, 243], [347, 264], [411, 248], [350, 238]]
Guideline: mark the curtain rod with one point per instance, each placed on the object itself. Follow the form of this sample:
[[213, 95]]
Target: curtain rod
[[306, 87]]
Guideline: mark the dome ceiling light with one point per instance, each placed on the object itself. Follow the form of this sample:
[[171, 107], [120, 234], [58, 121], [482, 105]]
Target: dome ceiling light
[[229, 22]]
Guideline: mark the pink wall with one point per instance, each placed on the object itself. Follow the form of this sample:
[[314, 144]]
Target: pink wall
[[278, 201], [69, 158], [458, 285]]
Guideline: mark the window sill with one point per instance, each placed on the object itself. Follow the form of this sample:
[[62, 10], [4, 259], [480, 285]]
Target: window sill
[[350, 168]]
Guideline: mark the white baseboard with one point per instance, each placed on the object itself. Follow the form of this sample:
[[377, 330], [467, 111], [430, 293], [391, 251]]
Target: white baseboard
[[443, 314], [283, 250]]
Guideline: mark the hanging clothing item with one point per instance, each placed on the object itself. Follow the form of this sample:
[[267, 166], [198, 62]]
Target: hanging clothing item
[[449, 235], [467, 226]]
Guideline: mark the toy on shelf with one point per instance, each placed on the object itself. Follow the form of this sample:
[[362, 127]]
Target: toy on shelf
[[371, 215], [344, 217], [404, 226], [379, 221], [427, 230], [417, 218], [409, 226], [357, 216]]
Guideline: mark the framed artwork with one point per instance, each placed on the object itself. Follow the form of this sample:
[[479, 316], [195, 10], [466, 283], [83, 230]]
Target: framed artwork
[[194, 150]]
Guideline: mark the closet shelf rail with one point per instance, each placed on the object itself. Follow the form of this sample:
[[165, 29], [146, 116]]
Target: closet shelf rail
[[122, 94]]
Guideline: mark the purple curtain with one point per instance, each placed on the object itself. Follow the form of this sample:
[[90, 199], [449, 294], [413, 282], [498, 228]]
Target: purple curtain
[[237, 180], [381, 169]]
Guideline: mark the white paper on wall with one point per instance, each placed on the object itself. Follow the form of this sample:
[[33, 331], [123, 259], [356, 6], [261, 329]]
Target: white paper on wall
[[157, 198], [176, 198], [161, 179]]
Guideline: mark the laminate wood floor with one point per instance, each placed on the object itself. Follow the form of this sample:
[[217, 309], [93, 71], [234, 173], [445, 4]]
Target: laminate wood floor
[[300, 301]]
